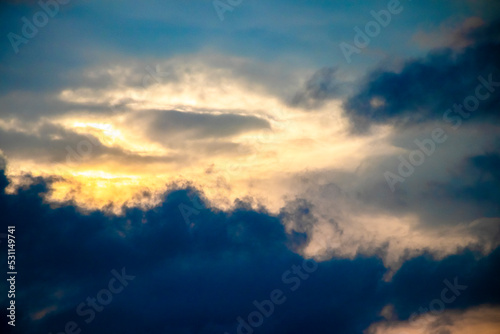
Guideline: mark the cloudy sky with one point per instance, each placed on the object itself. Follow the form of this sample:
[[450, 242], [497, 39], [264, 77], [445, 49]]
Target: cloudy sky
[[237, 166]]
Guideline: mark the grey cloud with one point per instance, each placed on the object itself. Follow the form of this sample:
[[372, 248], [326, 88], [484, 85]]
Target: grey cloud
[[168, 125], [321, 87], [50, 143], [32, 106]]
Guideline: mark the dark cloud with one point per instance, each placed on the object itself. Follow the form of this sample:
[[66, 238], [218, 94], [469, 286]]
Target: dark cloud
[[475, 184], [426, 87], [198, 269], [446, 193], [410, 292]]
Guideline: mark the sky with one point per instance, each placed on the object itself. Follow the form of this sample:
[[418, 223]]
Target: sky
[[236, 166]]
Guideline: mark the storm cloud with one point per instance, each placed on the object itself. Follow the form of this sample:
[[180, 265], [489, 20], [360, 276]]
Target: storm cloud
[[196, 270], [426, 88]]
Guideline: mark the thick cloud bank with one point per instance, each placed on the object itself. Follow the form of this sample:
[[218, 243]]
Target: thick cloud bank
[[186, 268], [463, 82]]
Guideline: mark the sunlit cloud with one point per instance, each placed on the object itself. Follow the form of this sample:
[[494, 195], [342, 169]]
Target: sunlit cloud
[[482, 319]]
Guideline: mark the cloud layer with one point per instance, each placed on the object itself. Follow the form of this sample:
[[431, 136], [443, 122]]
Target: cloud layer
[[196, 270]]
